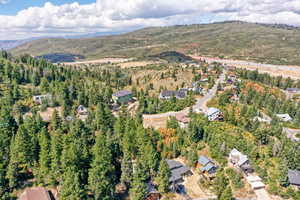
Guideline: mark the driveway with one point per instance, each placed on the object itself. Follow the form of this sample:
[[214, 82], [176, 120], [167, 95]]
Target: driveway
[[262, 194]]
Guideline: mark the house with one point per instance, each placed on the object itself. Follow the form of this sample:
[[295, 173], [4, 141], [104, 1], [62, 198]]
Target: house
[[36, 193], [255, 182], [294, 177], [293, 90], [284, 117], [241, 161], [291, 134], [178, 171], [214, 114], [152, 193], [168, 94], [39, 99], [122, 97], [207, 166], [183, 120], [81, 110]]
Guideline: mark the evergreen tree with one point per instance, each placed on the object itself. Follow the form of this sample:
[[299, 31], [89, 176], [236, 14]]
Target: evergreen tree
[[138, 188], [126, 169], [163, 176], [71, 188], [44, 156], [102, 172]]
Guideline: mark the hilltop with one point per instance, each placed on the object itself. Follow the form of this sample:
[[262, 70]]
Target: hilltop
[[275, 44]]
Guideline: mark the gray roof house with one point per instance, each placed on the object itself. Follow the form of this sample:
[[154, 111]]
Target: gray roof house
[[213, 114], [294, 177], [178, 171], [207, 165]]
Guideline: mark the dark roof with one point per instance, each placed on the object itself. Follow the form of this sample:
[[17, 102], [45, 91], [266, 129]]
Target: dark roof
[[208, 167], [174, 164], [151, 188], [122, 93], [203, 160], [294, 177], [177, 170], [168, 93]]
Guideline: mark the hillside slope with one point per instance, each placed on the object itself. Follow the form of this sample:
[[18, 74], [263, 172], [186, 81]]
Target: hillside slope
[[238, 40]]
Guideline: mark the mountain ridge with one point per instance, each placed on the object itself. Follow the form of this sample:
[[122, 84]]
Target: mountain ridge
[[274, 44]]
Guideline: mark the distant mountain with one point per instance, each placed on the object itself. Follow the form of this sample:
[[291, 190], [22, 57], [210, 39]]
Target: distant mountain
[[275, 44], [9, 44]]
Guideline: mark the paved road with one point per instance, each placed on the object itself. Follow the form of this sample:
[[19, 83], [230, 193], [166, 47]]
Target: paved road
[[200, 102]]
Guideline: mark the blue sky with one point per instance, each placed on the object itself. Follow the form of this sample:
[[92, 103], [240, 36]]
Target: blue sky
[[20, 19], [14, 6]]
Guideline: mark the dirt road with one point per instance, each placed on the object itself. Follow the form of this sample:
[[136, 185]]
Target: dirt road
[[275, 70]]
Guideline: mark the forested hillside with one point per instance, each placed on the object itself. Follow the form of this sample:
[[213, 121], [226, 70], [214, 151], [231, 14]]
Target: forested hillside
[[238, 40], [110, 155]]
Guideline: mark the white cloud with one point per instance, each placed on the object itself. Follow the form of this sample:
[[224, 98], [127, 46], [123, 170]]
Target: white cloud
[[4, 1], [120, 15]]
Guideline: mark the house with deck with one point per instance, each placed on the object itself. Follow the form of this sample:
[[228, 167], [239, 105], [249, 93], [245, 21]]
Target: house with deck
[[240, 161], [122, 97], [207, 166], [178, 172]]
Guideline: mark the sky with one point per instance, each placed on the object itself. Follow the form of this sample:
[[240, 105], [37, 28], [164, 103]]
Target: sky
[[20, 19]]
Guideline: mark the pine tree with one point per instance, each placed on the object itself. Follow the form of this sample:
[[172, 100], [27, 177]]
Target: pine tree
[[102, 172], [44, 156], [163, 176], [71, 188], [55, 155], [138, 186], [126, 168]]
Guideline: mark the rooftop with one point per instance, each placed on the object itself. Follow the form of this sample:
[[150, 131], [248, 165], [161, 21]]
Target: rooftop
[[294, 177], [37, 193], [122, 93], [212, 111], [203, 160]]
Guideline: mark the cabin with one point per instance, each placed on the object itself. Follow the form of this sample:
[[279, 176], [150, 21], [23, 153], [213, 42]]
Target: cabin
[[214, 114], [152, 193], [207, 166], [178, 172], [36, 193], [183, 120], [39, 99], [255, 182], [81, 110], [240, 161], [284, 117], [168, 94], [122, 97], [294, 178]]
